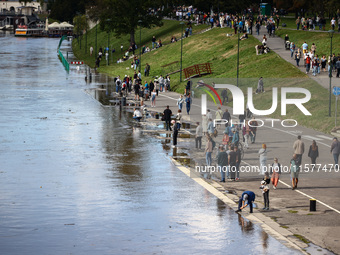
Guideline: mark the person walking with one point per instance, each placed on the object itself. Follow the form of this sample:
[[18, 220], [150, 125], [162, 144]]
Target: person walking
[[188, 101], [91, 51], [222, 162], [218, 114], [263, 159], [179, 119], [175, 133], [335, 150], [210, 128], [337, 65], [299, 149], [260, 88], [313, 152], [224, 95], [208, 150], [236, 137], [167, 117], [226, 116], [294, 171], [297, 57], [308, 63], [198, 136], [247, 198], [292, 49], [253, 129], [153, 98], [275, 172], [232, 160], [180, 101], [265, 192], [298, 22], [246, 135]]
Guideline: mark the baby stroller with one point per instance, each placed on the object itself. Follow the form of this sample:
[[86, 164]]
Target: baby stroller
[[287, 45]]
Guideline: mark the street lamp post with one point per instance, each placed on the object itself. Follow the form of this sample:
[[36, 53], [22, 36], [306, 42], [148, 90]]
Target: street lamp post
[[140, 44], [330, 33], [85, 34], [95, 48], [108, 42], [180, 75], [238, 52]]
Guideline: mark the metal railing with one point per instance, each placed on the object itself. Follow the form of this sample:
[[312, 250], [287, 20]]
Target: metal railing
[[61, 56]]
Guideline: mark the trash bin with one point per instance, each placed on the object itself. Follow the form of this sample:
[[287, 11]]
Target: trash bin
[[123, 101], [312, 205]]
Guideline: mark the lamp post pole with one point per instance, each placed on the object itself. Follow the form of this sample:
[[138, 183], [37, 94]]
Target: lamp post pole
[[85, 34], [238, 52], [140, 45], [95, 48], [180, 75], [330, 33], [108, 41]]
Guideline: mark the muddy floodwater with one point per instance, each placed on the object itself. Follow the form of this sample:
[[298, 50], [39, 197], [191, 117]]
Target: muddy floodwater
[[80, 178]]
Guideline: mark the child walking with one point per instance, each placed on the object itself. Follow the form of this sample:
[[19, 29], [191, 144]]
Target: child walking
[[265, 191]]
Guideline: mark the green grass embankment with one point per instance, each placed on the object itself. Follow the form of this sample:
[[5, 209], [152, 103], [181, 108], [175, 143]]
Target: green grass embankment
[[321, 40], [215, 47], [170, 28]]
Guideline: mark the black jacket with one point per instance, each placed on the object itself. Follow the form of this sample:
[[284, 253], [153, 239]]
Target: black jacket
[[167, 114]]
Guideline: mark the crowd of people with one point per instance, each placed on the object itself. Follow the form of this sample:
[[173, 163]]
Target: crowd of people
[[311, 59]]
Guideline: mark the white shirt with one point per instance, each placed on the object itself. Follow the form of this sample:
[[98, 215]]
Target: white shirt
[[137, 114], [199, 131]]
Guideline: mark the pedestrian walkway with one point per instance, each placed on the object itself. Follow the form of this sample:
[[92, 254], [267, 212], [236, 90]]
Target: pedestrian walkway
[[289, 207], [277, 45]]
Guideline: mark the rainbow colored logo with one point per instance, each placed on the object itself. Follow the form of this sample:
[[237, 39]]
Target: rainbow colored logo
[[201, 85]]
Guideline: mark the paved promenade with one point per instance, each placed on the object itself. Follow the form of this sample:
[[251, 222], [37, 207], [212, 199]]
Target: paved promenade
[[277, 44], [289, 208]]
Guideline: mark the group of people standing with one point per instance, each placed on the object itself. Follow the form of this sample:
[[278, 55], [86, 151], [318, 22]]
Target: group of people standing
[[312, 60]]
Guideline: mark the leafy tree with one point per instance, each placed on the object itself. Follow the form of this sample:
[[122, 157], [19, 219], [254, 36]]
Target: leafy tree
[[80, 23], [65, 10], [122, 16], [25, 1]]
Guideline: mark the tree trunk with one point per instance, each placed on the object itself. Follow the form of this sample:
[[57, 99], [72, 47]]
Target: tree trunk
[[132, 37]]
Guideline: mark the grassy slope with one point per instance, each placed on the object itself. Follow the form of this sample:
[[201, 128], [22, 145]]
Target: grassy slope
[[215, 47], [164, 33], [321, 40]]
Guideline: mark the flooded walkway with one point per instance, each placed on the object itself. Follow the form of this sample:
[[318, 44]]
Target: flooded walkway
[[80, 178]]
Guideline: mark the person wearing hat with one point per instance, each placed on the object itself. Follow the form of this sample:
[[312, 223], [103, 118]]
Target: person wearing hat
[[247, 198], [175, 132], [265, 191]]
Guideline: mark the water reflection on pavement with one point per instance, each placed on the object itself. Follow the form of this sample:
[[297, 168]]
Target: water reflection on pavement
[[80, 178]]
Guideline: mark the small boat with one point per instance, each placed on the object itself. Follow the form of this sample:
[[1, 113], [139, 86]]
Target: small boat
[[25, 31]]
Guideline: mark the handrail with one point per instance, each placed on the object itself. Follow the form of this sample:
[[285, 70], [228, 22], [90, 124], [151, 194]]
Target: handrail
[[61, 56]]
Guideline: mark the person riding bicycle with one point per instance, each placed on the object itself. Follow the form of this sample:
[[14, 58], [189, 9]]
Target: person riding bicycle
[[236, 137]]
